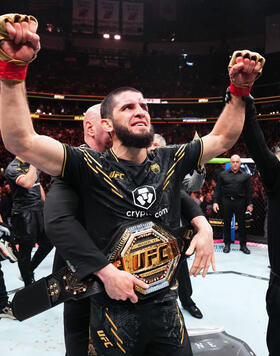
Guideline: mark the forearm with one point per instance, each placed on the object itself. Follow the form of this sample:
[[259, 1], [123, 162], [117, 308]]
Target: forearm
[[16, 125], [253, 136], [217, 192], [201, 225], [69, 236], [226, 130], [28, 180], [18, 133], [215, 197], [75, 245], [203, 244]]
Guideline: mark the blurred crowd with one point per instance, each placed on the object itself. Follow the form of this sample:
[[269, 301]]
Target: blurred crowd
[[157, 76], [72, 133]]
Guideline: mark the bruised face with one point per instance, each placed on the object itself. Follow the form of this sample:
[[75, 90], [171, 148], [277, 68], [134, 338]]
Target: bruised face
[[235, 163], [131, 120]]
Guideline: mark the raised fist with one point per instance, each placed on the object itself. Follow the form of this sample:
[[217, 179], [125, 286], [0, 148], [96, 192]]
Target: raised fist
[[245, 67], [18, 39]]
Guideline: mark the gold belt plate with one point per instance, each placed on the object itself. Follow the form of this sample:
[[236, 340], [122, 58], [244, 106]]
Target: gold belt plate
[[148, 252]]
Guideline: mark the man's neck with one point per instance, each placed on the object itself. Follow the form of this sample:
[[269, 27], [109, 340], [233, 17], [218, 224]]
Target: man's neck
[[137, 155], [94, 145]]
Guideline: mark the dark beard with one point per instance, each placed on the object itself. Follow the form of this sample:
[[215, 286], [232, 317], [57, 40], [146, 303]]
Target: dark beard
[[129, 139]]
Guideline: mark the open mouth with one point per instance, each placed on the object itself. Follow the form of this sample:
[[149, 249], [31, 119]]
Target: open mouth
[[140, 124]]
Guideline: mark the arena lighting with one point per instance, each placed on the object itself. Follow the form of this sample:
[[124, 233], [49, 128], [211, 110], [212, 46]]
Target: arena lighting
[[117, 37], [106, 36]]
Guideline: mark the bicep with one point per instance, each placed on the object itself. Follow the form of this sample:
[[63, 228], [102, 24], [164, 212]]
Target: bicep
[[212, 147], [46, 154]]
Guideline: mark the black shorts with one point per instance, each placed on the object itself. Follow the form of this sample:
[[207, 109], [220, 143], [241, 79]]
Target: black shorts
[[154, 329]]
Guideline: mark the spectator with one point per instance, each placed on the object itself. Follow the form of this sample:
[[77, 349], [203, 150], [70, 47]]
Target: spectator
[[27, 216], [233, 192]]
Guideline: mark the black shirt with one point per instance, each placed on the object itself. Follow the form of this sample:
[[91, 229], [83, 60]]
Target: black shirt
[[64, 227], [269, 168], [236, 185], [22, 198], [115, 191]]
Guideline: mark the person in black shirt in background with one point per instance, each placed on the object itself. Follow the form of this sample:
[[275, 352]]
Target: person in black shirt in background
[[6, 203], [27, 216], [268, 164], [234, 193], [121, 323], [63, 224]]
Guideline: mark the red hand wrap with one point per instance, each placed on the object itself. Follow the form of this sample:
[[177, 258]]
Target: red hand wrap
[[239, 91], [13, 71]]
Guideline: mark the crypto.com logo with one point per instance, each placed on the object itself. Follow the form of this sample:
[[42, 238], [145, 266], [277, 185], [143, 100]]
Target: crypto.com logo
[[144, 196]]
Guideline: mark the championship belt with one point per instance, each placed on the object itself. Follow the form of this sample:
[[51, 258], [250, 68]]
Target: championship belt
[[150, 253], [143, 249]]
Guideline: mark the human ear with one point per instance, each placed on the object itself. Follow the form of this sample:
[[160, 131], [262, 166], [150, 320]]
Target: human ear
[[107, 125], [89, 128]]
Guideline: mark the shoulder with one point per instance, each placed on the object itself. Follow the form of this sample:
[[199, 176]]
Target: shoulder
[[179, 149], [224, 173], [79, 152]]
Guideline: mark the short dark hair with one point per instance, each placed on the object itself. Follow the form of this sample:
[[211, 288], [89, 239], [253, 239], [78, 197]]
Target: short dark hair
[[108, 102]]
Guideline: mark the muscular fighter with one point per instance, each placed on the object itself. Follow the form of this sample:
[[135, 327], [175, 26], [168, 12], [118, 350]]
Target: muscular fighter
[[155, 327]]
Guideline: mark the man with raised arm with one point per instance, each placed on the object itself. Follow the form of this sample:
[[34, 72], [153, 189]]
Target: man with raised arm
[[63, 224], [121, 185], [268, 164]]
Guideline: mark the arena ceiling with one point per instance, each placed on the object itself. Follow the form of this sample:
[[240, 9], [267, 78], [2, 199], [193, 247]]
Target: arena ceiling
[[192, 20]]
